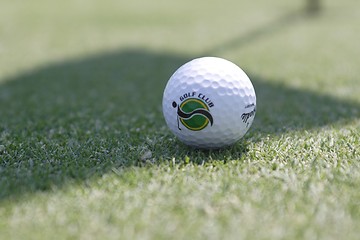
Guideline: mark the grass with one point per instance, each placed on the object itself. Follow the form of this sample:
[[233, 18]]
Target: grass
[[85, 153]]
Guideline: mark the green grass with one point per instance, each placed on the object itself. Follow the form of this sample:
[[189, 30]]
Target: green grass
[[85, 152]]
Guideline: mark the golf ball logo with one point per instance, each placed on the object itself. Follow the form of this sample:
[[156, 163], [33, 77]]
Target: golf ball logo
[[194, 114]]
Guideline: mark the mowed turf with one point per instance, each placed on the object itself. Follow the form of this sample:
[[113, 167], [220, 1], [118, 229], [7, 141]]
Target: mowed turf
[[85, 152]]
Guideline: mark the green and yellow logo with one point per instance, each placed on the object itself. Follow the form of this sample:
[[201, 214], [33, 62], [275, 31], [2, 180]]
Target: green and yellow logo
[[194, 114]]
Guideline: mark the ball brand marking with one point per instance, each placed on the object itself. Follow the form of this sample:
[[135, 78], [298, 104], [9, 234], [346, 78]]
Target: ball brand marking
[[193, 113], [245, 116], [200, 96], [250, 105], [206, 99], [187, 95]]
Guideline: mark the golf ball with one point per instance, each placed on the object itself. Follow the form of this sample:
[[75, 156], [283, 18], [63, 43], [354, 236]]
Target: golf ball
[[209, 102]]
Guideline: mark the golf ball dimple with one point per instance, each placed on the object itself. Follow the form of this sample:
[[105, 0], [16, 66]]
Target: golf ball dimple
[[209, 102]]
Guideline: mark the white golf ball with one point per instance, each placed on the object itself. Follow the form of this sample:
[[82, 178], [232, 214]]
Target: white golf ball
[[209, 102]]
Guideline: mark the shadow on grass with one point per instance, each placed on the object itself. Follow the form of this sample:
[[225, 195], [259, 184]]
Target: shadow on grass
[[74, 120]]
